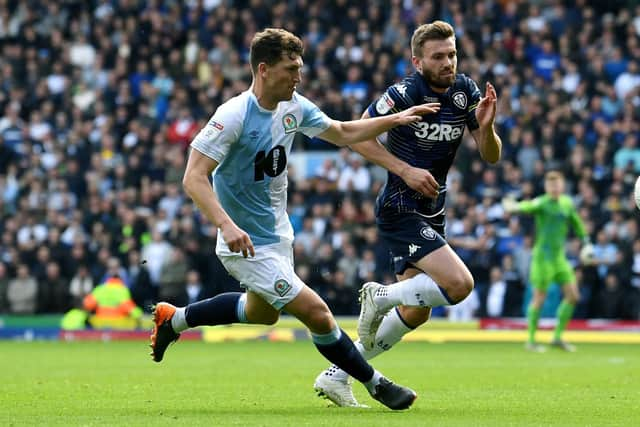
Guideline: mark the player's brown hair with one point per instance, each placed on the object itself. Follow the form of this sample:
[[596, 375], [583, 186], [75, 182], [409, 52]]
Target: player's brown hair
[[436, 30], [269, 45], [552, 175]]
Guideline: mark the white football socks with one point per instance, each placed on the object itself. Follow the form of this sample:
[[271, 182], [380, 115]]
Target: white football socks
[[373, 382], [390, 332], [418, 291], [179, 320]]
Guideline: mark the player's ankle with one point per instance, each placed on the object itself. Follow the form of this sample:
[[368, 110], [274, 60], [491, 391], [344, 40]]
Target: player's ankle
[[179, 321]]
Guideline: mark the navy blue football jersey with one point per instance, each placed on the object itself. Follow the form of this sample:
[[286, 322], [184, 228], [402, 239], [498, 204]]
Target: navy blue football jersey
[[429, 144]]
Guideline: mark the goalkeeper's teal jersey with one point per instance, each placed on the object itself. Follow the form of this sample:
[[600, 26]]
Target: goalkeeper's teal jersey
[[552, 219]]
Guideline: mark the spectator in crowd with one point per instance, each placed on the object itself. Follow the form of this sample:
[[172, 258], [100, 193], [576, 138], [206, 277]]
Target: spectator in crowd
[[514, 294], [80, 286], [156, 253], [611, 298], [194, 288], [172, 278], [496, 293], [22, 292], [143, 292], [54, 290], [354, 176], [4, 287]]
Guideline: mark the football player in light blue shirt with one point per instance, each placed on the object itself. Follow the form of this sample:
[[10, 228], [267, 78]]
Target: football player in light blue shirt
[[245, 145]]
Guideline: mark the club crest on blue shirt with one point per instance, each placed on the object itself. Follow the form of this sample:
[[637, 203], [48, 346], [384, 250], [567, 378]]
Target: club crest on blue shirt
[[460, 100], [289, 123], [282, 287], [428, 233]]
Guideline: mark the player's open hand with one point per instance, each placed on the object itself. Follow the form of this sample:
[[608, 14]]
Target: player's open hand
[[486, 110], [415, 113], [237, 239], [509, 204], [421, 181]]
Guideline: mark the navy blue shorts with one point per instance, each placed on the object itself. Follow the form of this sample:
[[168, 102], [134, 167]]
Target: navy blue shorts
[[411, 237]]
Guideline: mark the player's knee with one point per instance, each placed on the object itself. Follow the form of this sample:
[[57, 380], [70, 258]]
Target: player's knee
[[320, 319], [573, 297], [460, 286], [537, 301]]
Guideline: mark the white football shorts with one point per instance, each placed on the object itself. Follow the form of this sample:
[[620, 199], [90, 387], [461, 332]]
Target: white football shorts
[[269, 273]]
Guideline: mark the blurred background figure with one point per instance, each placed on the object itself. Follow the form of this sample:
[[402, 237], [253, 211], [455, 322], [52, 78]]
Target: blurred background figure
[[22, 292], [110, 306]]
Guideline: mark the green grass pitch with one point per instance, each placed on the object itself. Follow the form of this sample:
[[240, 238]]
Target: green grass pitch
[[270, 384]]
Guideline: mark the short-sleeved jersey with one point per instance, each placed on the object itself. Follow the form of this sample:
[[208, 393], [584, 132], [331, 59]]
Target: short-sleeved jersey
[[429, 144], [552, 218], [251, 145]]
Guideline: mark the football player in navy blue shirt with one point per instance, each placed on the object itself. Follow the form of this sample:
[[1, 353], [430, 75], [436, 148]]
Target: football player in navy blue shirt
[[410, 209]]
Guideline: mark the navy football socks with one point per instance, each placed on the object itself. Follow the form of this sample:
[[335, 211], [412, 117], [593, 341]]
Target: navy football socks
[[338, 348], [222, 309]]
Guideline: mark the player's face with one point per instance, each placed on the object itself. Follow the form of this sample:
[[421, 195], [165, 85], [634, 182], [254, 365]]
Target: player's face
[[554, 187], [281, 78], [438, 63]]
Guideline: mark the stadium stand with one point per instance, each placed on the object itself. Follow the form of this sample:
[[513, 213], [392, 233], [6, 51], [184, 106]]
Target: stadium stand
[[100, 99]]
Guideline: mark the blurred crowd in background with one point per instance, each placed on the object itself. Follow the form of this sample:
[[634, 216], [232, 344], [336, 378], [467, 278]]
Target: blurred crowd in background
[[100, 99]]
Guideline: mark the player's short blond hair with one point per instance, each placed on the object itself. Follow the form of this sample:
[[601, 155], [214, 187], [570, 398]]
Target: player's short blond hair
[[436, 30], [269, 45]]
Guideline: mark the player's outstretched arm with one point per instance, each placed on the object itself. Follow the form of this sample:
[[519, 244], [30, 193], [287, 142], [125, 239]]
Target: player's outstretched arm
[[417, 179], [196, 185], [354, 131], [489, 143], [510, 205]]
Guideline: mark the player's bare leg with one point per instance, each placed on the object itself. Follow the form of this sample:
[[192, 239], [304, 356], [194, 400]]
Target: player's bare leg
[[260, 312], [533, 315], [563, 316]]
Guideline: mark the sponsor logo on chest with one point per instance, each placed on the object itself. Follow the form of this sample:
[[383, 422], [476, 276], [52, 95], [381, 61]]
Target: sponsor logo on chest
[[438, 131]]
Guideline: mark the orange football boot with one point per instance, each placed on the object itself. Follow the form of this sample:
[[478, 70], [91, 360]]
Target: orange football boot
[[162, 334]]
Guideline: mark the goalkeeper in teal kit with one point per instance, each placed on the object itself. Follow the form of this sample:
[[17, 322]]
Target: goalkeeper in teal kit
[[553, 213]]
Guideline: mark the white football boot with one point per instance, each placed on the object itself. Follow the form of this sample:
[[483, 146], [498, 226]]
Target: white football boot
[[371, 314], [337, 388]]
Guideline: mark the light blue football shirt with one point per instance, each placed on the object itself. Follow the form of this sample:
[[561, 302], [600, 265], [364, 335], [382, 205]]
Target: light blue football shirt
[[251, 145]]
